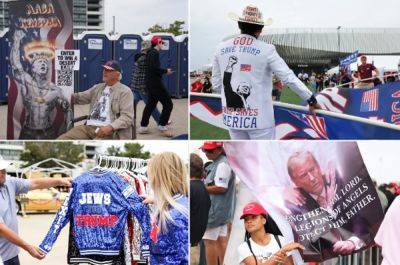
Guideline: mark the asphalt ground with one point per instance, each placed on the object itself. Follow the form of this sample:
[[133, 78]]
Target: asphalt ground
[[179, 118], [33, 229]]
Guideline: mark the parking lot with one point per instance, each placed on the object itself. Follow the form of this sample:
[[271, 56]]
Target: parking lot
[[33, 229]]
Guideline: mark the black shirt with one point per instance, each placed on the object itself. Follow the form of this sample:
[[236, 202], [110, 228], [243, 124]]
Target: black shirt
[[154, 71], [199, 207]]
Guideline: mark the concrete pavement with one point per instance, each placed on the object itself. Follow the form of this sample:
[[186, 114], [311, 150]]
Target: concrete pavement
[[179, 119], [33, 229]]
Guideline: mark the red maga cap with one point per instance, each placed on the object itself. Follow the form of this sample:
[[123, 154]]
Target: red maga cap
[[156, 40], [253, 208], [211, 145]]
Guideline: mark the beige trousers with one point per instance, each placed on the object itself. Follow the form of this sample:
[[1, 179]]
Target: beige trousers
[[82, 132]]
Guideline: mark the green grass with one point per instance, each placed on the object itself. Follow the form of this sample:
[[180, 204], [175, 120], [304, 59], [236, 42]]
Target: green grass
[[200, 130], [288, 96]]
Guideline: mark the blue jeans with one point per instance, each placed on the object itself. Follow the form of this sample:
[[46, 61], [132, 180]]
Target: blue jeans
[[13, 261], [138, 96]]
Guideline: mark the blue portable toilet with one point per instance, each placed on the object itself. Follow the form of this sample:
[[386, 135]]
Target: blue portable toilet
[[76, 73], [125, 49], [5, 65], [183, 65], [95, 49], [168, 59]]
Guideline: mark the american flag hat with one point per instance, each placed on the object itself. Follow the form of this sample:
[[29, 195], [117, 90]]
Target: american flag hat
[[112, 66], [252, 15]]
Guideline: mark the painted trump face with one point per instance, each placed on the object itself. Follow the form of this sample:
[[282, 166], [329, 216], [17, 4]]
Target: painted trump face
[[305, 172], [40, 67]]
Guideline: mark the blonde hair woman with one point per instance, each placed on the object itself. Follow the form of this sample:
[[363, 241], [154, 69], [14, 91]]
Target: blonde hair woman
[[168, 178]]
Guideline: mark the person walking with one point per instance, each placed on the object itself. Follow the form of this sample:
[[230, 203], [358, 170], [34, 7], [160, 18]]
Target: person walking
[[138, 84], [156, 90]]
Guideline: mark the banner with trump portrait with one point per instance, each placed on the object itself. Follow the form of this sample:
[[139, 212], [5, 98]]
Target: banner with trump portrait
[[320, 193], [37, 107]]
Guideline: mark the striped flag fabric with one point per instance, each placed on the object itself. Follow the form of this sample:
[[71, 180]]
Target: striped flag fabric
[[369, 100]]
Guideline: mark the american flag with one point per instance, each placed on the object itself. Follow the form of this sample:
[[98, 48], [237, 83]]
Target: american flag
[[369, 101], [316, 124], [313, 125], [245, 67]]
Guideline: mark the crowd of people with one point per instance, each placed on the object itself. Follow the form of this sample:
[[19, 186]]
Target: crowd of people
[[212, 204], [366, 76], [202, 84]]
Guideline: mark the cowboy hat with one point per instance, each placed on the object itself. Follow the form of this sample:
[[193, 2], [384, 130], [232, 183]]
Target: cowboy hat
[[252, 15]]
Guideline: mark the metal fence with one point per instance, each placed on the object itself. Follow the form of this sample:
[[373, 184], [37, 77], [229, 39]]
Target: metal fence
[[371, 256]]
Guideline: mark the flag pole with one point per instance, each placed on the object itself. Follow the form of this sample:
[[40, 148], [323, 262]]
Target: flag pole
[[319, 111], [366, 79]]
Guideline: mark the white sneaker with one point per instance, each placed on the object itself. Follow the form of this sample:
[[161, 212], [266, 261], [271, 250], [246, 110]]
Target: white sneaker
[[143, 130], [162, 128], [165, 131]]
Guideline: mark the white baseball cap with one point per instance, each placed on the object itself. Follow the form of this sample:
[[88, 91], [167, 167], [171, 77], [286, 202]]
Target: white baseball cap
[[3, 163]]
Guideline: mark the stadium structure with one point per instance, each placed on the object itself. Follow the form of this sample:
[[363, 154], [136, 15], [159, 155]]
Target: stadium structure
[[318, 49]]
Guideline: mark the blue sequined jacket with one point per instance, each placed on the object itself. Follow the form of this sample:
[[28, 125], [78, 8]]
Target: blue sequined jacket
[[171, 248]]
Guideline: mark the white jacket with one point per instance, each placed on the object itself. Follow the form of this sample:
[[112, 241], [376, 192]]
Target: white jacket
[[242, 69]]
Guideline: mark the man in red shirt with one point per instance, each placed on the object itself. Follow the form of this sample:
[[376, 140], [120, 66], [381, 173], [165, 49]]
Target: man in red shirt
[[365, 72]]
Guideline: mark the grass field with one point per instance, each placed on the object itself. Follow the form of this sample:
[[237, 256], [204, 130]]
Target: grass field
[[200, 130]]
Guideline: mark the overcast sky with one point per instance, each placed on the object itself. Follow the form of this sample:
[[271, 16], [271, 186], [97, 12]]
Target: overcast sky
[[155, 146], [209, 22], [136, 16]]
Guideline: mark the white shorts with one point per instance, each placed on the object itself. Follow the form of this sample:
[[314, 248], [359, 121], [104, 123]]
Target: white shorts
[[214, 233], [260, 134]]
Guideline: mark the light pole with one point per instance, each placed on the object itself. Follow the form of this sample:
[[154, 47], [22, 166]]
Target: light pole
[[338, 34]]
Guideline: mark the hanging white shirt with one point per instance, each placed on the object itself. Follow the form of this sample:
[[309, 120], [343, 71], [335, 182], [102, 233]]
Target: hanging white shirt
[[100, 115], [245, 65]]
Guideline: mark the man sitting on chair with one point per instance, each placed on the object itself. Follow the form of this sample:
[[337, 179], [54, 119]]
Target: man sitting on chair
[[111, 108]]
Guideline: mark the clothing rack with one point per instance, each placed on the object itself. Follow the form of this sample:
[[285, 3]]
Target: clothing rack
[[118, 162]]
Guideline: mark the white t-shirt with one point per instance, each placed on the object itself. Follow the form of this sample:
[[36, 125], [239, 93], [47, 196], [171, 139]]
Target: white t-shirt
[[223, 175], [242, 69], [262, 253], [100, 115]]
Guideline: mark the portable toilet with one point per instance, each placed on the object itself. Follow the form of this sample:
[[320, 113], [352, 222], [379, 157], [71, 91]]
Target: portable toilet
[[95, 49], [183, 64], [126, 47], [5, 65]]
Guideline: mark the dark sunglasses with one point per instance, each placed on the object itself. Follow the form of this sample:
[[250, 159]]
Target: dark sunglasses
[[208, 150]]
